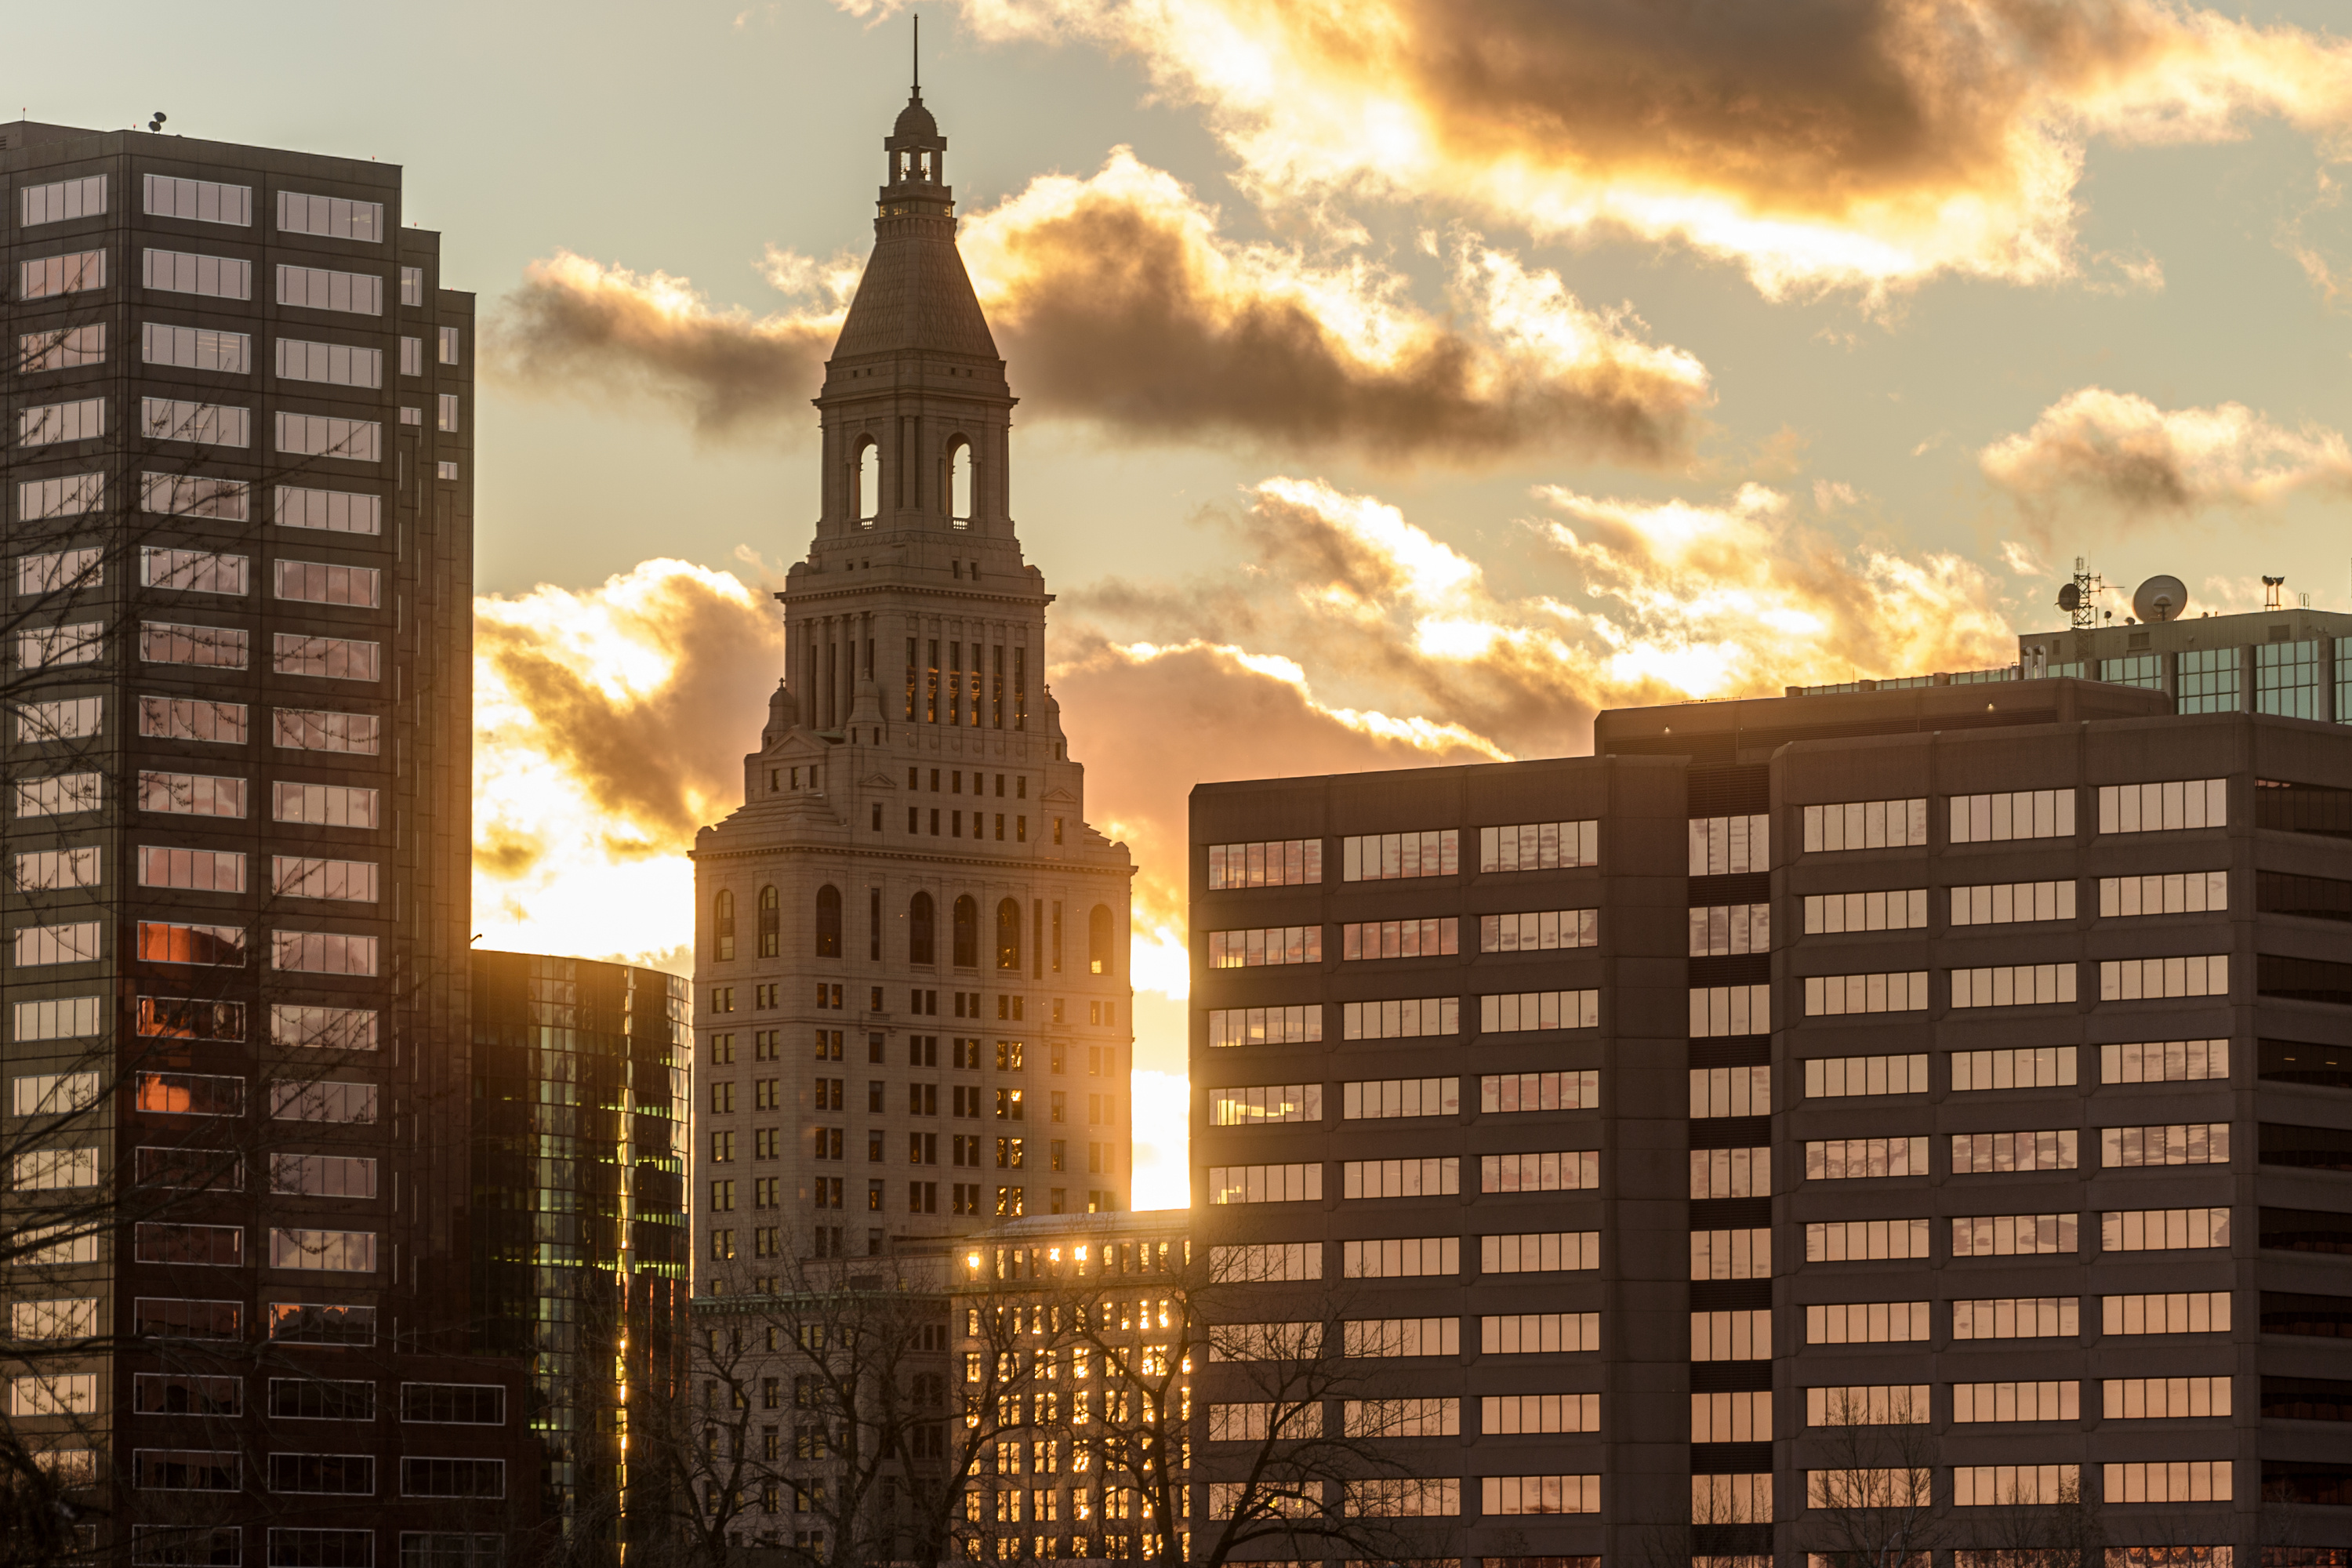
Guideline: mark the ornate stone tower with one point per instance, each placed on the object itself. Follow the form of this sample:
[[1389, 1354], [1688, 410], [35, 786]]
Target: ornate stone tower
[[910, 961]]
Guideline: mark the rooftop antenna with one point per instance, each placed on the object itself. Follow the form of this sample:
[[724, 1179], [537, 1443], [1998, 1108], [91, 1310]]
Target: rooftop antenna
[[2079, 598], [918, 54], [2271, 591]]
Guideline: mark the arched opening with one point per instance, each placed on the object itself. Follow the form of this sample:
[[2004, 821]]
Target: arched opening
[[967, 932], [828, 920], [771, 924], [1008, 935], [960, 482], [722, 924], [1099, 942], [869, 482], [919, 929]]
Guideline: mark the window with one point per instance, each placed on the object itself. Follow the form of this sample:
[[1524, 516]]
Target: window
[[2003, 903], [412, 286], [1539, 846], [216, 647], [1731, 1092], [1381, 857], [1101, 952], [2181, 1313], [2287, 679], [304, 877], [1730, 1173], [317, 730], [63, 495], [321, 1399], [1728, 1255], [185, 272], [2164, 1061], [2174, 894], [2022, 814], [446, 470], [58, 1018], [1506, 1093], [342, 1474], [1541, 931], [1987, 1154], [454, 1403], [1261, 1104], [54, 1094], [448, 339], [333, 511], [1743, 1417], [2017, 1318], [60, 199], [1278, 863], [191, 571], [1520, 1012], [1720, 1010], [336, 218], [318, 435], [1401, 1019], [1868, 1323], [2164, 807], [75, 943], [60, 795], [1544, 1171], [323, 1175], [1402, 1257], [321, 289], [1855, 1240], [1719, 1336], [329, 806], [1374, 1098], [967, 932], [1850, 1159], [202, 423], [1865, 825], [195, 348], [2178, 1480], [185, 719], [53, 1170], [2163, 1230], [73, 272], [1264, 1026], [1839, 1078], [193, 495], [322, 952], [1723, 929], [315, 1324], [1400, 939], [1272, 944], [184, 1470], [2207, 681], [2130, 979], [1008, 935], [1267, 1184], [2191, 1143], [919, 929], [204, 870], [333, 1028], [325, 659], [1726, 845], [41, 647], [161, 942], [2013, 985], [53, 422], [216, 1245], [2012, 1235], [2024, 1067], [2007, 1485], [61, 348], [48, 870], [321, 1100], [444, 412], [60, 570], [200, 201]]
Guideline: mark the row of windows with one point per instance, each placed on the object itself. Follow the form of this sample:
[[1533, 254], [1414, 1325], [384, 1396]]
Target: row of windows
[[921, 918], [190, 495], [335, 1474], [222, 352], [289, 1398], [163, 941], [182, 1018], [207, 201], [209, 647], [189, 718], [202, 870], [170, 1318], [212, 425], [1745, 1173], [209, 277], [201, 572], [290, 1248]]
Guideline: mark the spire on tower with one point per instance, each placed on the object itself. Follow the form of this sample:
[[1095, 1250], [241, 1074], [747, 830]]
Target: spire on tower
[[919, 57]]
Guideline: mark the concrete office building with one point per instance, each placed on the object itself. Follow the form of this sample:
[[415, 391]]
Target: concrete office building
[[910, 946], [238, 497], [580, 1124], [1956, 1077]]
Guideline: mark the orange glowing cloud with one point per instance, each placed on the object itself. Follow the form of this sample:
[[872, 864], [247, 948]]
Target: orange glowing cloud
[[1868, 143], [2124, 454]]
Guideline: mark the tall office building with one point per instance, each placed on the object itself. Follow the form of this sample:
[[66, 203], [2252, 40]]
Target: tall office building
[[910, 946], [579, 1124], [1801, 1094], [238, 498]]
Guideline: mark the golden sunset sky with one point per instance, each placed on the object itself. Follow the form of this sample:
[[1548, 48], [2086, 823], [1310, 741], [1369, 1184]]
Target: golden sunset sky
[[1402, 382]]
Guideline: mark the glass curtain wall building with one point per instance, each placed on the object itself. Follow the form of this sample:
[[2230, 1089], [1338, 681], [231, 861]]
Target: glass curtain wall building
[[580, 1116]]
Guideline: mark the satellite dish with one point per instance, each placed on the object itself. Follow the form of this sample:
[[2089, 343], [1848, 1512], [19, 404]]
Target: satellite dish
[[2161, 599], [2070, 597]]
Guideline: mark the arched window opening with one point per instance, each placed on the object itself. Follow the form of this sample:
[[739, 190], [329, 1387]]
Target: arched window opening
[[869, 482], [1099, 942], [1008, 935], [722, 924], [828, 921], [967, 932], [771, 924], [919, 929], [923, 164], [960, 482]]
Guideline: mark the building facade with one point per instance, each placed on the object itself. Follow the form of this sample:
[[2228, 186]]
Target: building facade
[[238, 498], [1945, 1081], [580, 1126], [909, 902]]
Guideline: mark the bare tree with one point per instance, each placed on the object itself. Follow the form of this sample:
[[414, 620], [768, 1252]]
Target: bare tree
[[1875, 1503]]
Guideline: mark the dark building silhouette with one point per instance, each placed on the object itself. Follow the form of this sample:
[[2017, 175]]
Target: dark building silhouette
[[1951, 1077], [579, 1122]]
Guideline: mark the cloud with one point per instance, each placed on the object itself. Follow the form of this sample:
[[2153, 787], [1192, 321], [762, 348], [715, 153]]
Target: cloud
[[583, 329], [610, 723], [1122, 304], [1869, 143], [2120, 452]]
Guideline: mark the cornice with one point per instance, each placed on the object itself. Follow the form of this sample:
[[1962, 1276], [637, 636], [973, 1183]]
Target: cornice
[[773, 851], [792, 598]]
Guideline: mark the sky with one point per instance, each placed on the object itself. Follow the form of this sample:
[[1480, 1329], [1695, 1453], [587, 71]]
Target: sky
[[1402, 382]]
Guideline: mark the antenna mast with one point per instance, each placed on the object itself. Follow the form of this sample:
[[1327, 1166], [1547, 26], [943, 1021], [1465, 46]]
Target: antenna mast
[[2080, 597], [918, 54]]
